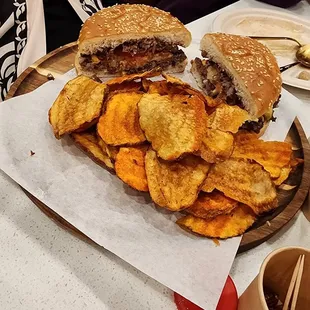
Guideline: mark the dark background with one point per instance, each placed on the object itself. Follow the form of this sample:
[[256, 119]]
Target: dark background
[[63, 24]]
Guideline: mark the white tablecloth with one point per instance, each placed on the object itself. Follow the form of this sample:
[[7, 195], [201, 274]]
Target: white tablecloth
[[44, 267]]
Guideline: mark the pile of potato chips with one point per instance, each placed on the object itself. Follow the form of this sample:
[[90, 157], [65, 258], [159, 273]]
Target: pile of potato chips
[[166, 138]]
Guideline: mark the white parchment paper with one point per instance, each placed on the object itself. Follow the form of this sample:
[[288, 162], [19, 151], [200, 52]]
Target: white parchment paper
[[109, 212]]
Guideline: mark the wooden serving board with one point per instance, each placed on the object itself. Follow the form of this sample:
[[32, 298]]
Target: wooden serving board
[[291, 195]]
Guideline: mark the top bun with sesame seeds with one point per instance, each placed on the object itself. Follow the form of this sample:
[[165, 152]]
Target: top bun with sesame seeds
[[240, 71], [251, 65], [126, 38]]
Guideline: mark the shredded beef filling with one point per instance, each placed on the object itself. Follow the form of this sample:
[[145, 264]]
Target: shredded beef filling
[[134, 56], [218, 85], [255, 126]]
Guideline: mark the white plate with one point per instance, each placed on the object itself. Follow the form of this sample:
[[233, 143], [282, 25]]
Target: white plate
[[262, 22]]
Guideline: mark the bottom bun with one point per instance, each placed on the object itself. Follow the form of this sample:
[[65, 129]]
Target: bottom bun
[[178, 68]]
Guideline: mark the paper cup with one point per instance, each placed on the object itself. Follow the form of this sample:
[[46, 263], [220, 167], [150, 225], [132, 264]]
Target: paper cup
[[275, 274]]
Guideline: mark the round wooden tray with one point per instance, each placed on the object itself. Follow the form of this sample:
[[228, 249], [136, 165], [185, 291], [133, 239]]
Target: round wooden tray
[[291, 196]]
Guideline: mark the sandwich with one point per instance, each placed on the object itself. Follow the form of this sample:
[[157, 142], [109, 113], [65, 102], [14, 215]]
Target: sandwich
[[127, 39], [239, 71]]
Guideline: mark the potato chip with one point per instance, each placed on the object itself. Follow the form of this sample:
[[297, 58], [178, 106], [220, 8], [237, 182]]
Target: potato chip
[[89, 143], [159, 87], [77, 107], [174, 185], [110, 150], [244, 182], [209, 205], [222, 226], [119, 125], [174, 80], [227, 118], [216, 145], [130, 167], [243, 136], [175, 126], [184, 88], [272, 155], [127, 86], [284, 174], [132, 77], [212, 103]]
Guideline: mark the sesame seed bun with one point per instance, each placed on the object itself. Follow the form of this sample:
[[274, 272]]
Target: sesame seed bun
[[251, 66], [119, 23]]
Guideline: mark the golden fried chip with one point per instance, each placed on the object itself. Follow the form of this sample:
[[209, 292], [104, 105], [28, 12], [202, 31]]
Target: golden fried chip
[[132, 77], [227, 118], [243, 136], [284, 173], [174, 80], [222, 226], [110, 150], [216, 145], [209, 205], [244, 182], [272, 155], [119, 125], [130, 167], [127, 86], [89, 143], [77, 107], [159, 87], [174, 185], [175, 126], [212, 103], [184, 88]]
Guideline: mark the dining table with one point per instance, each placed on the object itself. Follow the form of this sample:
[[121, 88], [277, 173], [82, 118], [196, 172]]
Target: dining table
[[43, 266]]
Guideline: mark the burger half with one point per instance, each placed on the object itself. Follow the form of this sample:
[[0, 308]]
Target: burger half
[[125, 39], [239, 71]]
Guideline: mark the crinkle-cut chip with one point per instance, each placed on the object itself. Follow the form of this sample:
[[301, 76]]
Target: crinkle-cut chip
[[119, 125], [243, 181], [272, 155], [216, 145], [284, 174], [110, 150], [130, 167], [223, 226], [133, 77], [77, 107], [127, 86], [89, 143], [211, 205], [174, 185], [159, 87], [227, 118], [175, 126]]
